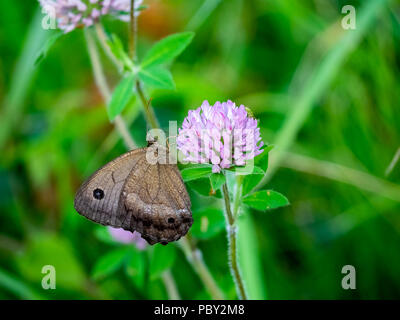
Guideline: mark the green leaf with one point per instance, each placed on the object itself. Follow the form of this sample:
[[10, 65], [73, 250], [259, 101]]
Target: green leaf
[[109, 263], [196, 172], [162, 259], [261, 165], [157, 77], [167, 49], [265, 200], [102, 234], [117, 48], [46, 47], [51, 249], [208, 223], [203, 187], [136, 268], [121, 96], [217, 180], [262, 159]]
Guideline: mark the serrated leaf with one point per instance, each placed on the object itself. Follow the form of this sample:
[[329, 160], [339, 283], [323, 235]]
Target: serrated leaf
[[136, 268], [109, 263], [209, 222], [196, 172], [265, 200], [162, 259], [217, 180], [121, 96], [157, 77], [167, 49], [46, 47]]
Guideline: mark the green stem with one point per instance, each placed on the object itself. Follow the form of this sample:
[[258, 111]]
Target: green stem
[[195, 258], [148, 109], [170, 285], [232, 245], [102, 38], [236, 201], [132, 32], [193, 255], [101, 83]]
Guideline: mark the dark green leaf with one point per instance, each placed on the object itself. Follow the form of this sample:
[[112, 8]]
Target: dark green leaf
[[46, 47], [162, 259], [121, 96], [217, 180], [196, 172], [167, 49], [157, 77], [208, 223], [265, 200], [136, 268], [203, 187], [261, 165], [109, 263], [51, 249], [102, 233], [117, 48]]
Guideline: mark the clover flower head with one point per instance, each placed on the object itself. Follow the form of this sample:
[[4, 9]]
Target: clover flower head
[[127, 237], [71, 14], [223, 135]]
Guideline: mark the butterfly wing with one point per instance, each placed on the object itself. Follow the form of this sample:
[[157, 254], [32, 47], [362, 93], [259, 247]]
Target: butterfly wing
[[99, 198], [158, 203]]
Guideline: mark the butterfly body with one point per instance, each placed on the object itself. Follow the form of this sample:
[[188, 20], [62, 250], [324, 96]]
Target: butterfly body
[[133, 194]]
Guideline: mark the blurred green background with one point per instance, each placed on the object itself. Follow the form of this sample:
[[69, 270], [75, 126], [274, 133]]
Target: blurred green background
[[328, 98]]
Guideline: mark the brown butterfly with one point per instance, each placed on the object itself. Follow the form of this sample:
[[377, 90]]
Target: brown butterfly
[[133, 194]]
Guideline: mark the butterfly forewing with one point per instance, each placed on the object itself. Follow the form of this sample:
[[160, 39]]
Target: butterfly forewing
[[98, 199], [131, 193]]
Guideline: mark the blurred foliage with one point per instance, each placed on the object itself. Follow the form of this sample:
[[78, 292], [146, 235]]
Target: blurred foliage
[[273, 56]]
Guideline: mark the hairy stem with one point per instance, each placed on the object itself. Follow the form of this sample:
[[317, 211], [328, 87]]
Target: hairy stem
[[104, 89], [232, 245]]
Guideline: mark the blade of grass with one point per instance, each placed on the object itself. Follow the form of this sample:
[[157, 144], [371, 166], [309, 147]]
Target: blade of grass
[[319, 82], [333, 171], [18, 288], [13, 103], [250, 260]]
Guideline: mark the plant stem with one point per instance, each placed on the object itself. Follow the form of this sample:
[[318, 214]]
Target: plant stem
[[193, 254], [236, 200], [102, 38], [149, 111], [232, 245], [170, 285], [132, 32], [195, 258], [104, 89]]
